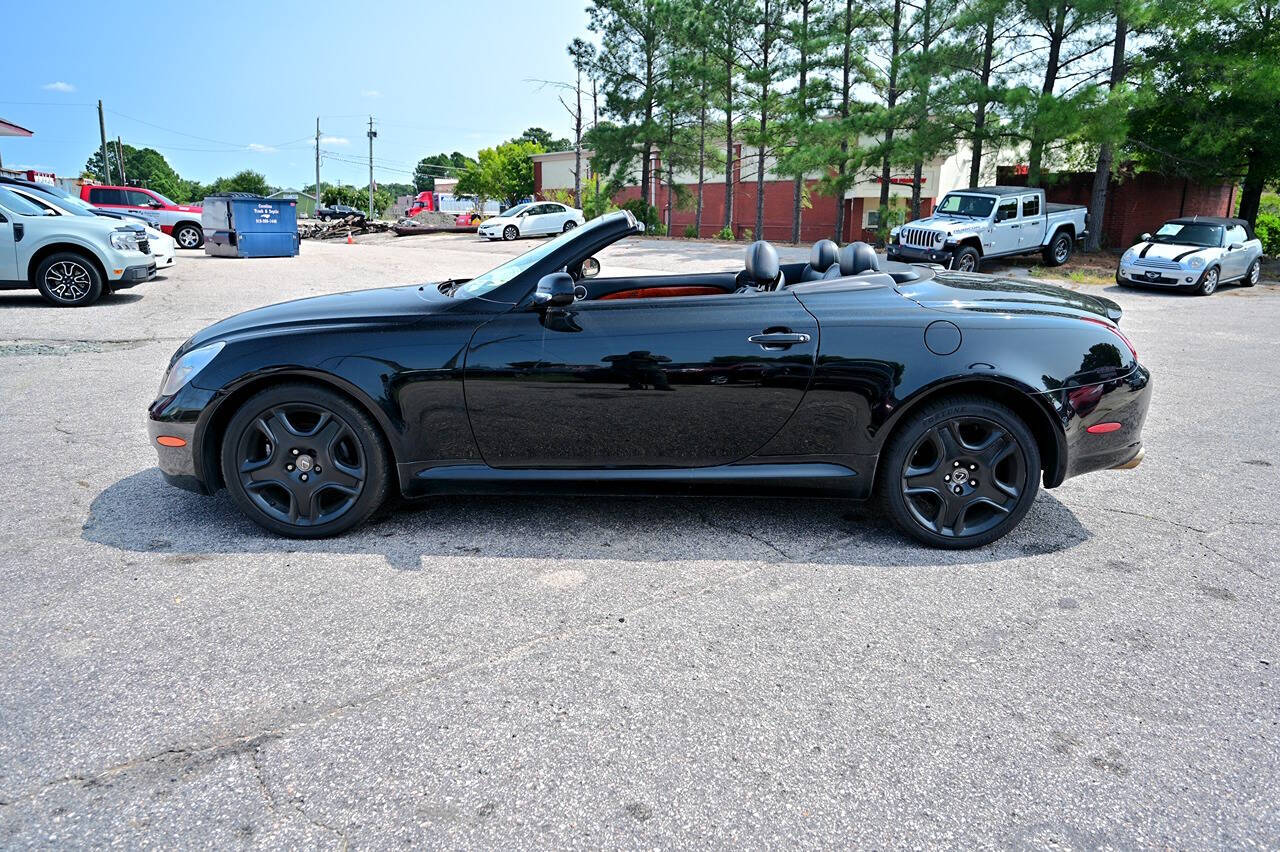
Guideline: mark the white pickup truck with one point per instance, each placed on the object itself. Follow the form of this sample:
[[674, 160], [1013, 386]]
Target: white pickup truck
[[972, 225]]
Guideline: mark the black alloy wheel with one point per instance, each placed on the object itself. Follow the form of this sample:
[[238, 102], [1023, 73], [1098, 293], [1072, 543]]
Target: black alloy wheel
[[966, 259], [1058, 251], [960, 473], [69, 280], [569, 226], [302, 461], [510, 232]]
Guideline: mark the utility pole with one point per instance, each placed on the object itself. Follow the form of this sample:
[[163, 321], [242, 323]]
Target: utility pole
[[124, 179], [102, 131], [316, 211], [372, 133]]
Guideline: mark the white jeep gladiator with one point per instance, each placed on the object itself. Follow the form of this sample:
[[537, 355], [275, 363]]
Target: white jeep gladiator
[[972, 225]]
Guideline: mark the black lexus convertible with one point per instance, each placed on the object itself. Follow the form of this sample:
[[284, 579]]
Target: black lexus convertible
[[949, 395]]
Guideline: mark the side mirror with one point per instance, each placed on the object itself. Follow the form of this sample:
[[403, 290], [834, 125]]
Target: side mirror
[[590, 268], [554, 290], [1146, 238], [1236, 246]]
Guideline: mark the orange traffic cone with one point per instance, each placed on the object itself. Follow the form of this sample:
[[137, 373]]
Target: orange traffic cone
[[349, 240]]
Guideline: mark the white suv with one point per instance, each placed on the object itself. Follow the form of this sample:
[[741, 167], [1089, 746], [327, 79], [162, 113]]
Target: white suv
[[71, 260]]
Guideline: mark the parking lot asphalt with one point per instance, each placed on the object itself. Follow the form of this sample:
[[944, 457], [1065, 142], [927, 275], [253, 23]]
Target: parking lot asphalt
[[532, 672]]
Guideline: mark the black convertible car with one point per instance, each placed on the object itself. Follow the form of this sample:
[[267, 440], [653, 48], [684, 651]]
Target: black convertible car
[[950, 395]]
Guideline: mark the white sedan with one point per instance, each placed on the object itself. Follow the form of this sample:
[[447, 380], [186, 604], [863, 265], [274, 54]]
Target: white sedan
[[535, 219]]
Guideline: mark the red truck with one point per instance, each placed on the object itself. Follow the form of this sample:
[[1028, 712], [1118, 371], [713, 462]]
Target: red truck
[[180, 221]]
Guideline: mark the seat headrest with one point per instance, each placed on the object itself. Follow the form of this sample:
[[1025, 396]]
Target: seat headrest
[[762, 263], [823, 254], [858, 257]]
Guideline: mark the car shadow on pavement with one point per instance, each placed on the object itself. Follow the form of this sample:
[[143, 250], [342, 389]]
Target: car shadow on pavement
[[142, 513]]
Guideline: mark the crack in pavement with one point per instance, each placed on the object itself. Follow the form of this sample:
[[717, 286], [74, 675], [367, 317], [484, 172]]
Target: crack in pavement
[[745, 534], [251, 743]]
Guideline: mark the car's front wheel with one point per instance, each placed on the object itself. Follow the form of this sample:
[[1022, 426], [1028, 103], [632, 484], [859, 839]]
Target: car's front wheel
[[1208, 282], [303, 461], [510, 232], [967, 259], [188, 236], [960, 472], [69, 280], [569, 226]]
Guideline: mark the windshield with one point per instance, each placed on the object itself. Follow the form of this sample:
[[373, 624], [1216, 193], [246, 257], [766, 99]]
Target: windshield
[[515, 211], [1195, 234], [74, 206], [967, 205], [495, 278], [15, 203]]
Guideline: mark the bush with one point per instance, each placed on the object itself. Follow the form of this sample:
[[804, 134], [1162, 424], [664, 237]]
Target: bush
[[1268, 231], [646, 213], [747, 236], [691, 231], [726, 233], [658, 230]]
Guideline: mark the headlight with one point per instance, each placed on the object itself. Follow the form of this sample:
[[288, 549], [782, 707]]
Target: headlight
[[186, 367], [1128, 256], [1196, 263], [124, 240], [893, 232]]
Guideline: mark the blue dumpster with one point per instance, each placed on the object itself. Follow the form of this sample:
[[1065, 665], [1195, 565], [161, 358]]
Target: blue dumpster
[[241, 224]]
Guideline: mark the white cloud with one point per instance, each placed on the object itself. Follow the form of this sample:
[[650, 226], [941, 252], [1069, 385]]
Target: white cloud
[[370, 93], [58, 86], [334, 140], [261, 149]]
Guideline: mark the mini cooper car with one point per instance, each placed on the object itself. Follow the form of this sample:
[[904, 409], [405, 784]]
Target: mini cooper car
[[950, 395], [1195, 253]]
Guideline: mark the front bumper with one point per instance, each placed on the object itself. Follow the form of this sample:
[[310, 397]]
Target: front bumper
[[135, 275], [1122, 401], [911, 254], [1157, 277], [176, 463]]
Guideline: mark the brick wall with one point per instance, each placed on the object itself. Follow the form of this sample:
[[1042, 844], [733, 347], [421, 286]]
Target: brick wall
[[1138, 203]]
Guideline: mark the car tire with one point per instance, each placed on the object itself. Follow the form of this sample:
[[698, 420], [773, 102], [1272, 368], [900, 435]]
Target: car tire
[[511, 232], [568, 226], [69, 280], [1253, 274], [1058, 251], [976, 440], [188, 236], [967, 259], [1208, 282], [305, 462]]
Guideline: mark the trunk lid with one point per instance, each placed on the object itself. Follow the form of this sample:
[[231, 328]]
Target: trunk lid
[[956, 291]]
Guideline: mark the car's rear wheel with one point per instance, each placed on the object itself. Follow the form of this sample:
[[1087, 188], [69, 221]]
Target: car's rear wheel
[[69, 280], [967, 259], [188, 236], [1253, 274], [960, 472], [303, 461], [1058, 251], [510, 232], [1208, 282]]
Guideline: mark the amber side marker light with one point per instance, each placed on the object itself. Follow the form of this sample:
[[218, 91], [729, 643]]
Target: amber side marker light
[[170, 441], [1103, 428]]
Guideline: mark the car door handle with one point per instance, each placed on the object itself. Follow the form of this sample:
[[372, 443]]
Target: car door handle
[[779, 339]]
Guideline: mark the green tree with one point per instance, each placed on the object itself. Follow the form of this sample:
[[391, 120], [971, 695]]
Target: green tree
[[764, 63], [245, 180], [438, 165], [1216, 96], [544, 139], [143, 167], [504, 173]]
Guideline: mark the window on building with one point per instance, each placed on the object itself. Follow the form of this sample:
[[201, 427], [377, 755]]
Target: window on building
[[873, 218]]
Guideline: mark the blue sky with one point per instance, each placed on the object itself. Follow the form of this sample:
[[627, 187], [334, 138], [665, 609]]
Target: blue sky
[[218, 87]]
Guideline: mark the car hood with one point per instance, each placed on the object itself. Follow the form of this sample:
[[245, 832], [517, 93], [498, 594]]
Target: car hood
[[1168, 251], [955, 291], [943, 222], [381, 306], [499, 220]]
